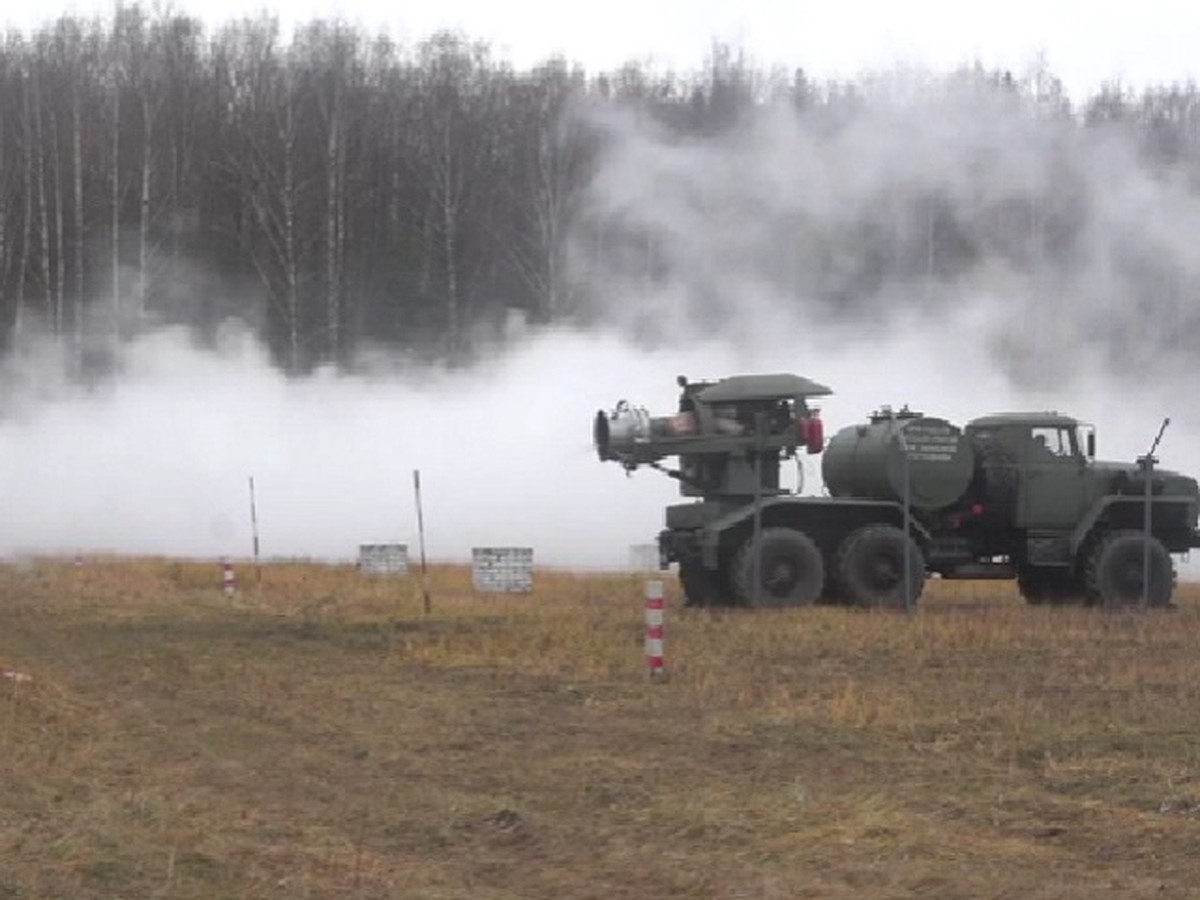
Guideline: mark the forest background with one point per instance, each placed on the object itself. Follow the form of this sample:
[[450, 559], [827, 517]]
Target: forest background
[[340, 193]]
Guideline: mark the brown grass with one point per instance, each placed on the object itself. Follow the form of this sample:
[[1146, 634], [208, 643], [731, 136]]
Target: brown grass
[[317, 735]]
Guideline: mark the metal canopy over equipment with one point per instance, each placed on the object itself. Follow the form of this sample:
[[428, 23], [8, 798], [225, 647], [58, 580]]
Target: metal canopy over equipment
[[761, 387]]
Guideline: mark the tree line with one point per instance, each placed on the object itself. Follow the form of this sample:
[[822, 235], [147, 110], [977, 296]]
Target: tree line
[[339, 192]]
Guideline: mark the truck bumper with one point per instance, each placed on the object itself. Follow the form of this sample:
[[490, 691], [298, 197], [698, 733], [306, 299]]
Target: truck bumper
[[675, 545]]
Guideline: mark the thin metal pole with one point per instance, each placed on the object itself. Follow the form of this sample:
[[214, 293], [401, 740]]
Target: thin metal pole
[[756, 594], [1147, 462], [907, 490], [254, 531], [1147, 528], [421, 535]]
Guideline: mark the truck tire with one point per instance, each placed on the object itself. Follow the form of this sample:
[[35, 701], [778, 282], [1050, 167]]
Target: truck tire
[[1115, 571], [790, 569], [870, 567], [1042, 585], [702, 586]]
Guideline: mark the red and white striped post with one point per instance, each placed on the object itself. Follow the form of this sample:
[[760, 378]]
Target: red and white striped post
[[227, 578], [654, 629]]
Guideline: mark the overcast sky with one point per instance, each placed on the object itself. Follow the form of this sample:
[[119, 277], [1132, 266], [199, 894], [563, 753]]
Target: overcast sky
[[1086, 43]]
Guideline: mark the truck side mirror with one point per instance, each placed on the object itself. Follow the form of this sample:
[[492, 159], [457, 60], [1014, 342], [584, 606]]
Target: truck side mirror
[[1091, 445]]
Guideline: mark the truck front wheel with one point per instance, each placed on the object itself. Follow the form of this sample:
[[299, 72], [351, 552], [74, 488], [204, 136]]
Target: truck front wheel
[[1116, 571], [870, 567], [1045, 585], [788, 565]]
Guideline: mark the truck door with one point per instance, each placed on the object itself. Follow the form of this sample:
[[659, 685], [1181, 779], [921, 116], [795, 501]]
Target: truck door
[[1052, 482]]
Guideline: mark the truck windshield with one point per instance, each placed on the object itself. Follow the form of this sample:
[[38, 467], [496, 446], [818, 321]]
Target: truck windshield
[[1053, 441]]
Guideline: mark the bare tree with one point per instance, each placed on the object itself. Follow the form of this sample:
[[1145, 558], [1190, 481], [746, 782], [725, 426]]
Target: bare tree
[[28, 153], [550, 156], [38, 151], [76, 76], [334, 74], [266, 165], [115, 76], [452, 151], [7, 190]]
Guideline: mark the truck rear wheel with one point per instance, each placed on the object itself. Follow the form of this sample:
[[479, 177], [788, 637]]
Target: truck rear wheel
[[1042, 585], [701, 586], [1115, 571], [789, 566], [870, 567]]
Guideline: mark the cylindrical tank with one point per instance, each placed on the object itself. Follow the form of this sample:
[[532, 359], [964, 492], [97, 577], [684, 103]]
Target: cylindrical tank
[[869, 461]]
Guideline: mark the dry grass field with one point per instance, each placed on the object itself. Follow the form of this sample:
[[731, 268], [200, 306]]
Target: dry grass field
[[318, 736]]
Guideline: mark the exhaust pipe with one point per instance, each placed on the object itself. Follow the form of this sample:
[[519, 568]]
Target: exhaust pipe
[[616, 434]]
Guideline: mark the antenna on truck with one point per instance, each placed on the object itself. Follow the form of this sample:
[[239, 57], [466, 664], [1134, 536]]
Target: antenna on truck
[[1147, 465]]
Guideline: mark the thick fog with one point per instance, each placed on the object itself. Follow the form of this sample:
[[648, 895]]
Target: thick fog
[[157, 459]]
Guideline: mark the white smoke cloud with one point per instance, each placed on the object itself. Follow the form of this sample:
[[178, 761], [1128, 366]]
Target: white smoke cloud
[[1081, 250], [156, 459]]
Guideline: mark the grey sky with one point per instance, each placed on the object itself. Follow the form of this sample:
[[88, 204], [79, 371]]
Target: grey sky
[[1084, 42]]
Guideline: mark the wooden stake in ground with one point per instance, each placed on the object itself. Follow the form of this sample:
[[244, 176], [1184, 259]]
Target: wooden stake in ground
[[254, 530], [421, 537]]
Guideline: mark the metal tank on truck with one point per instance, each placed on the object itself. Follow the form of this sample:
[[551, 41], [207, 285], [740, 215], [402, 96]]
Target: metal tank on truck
[[1013, 495], [900, 454]]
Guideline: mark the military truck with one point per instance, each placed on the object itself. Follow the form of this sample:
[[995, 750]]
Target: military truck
[[1010, 496]]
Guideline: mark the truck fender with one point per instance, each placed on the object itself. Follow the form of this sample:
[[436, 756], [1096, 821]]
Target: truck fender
[[1087, 524]]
